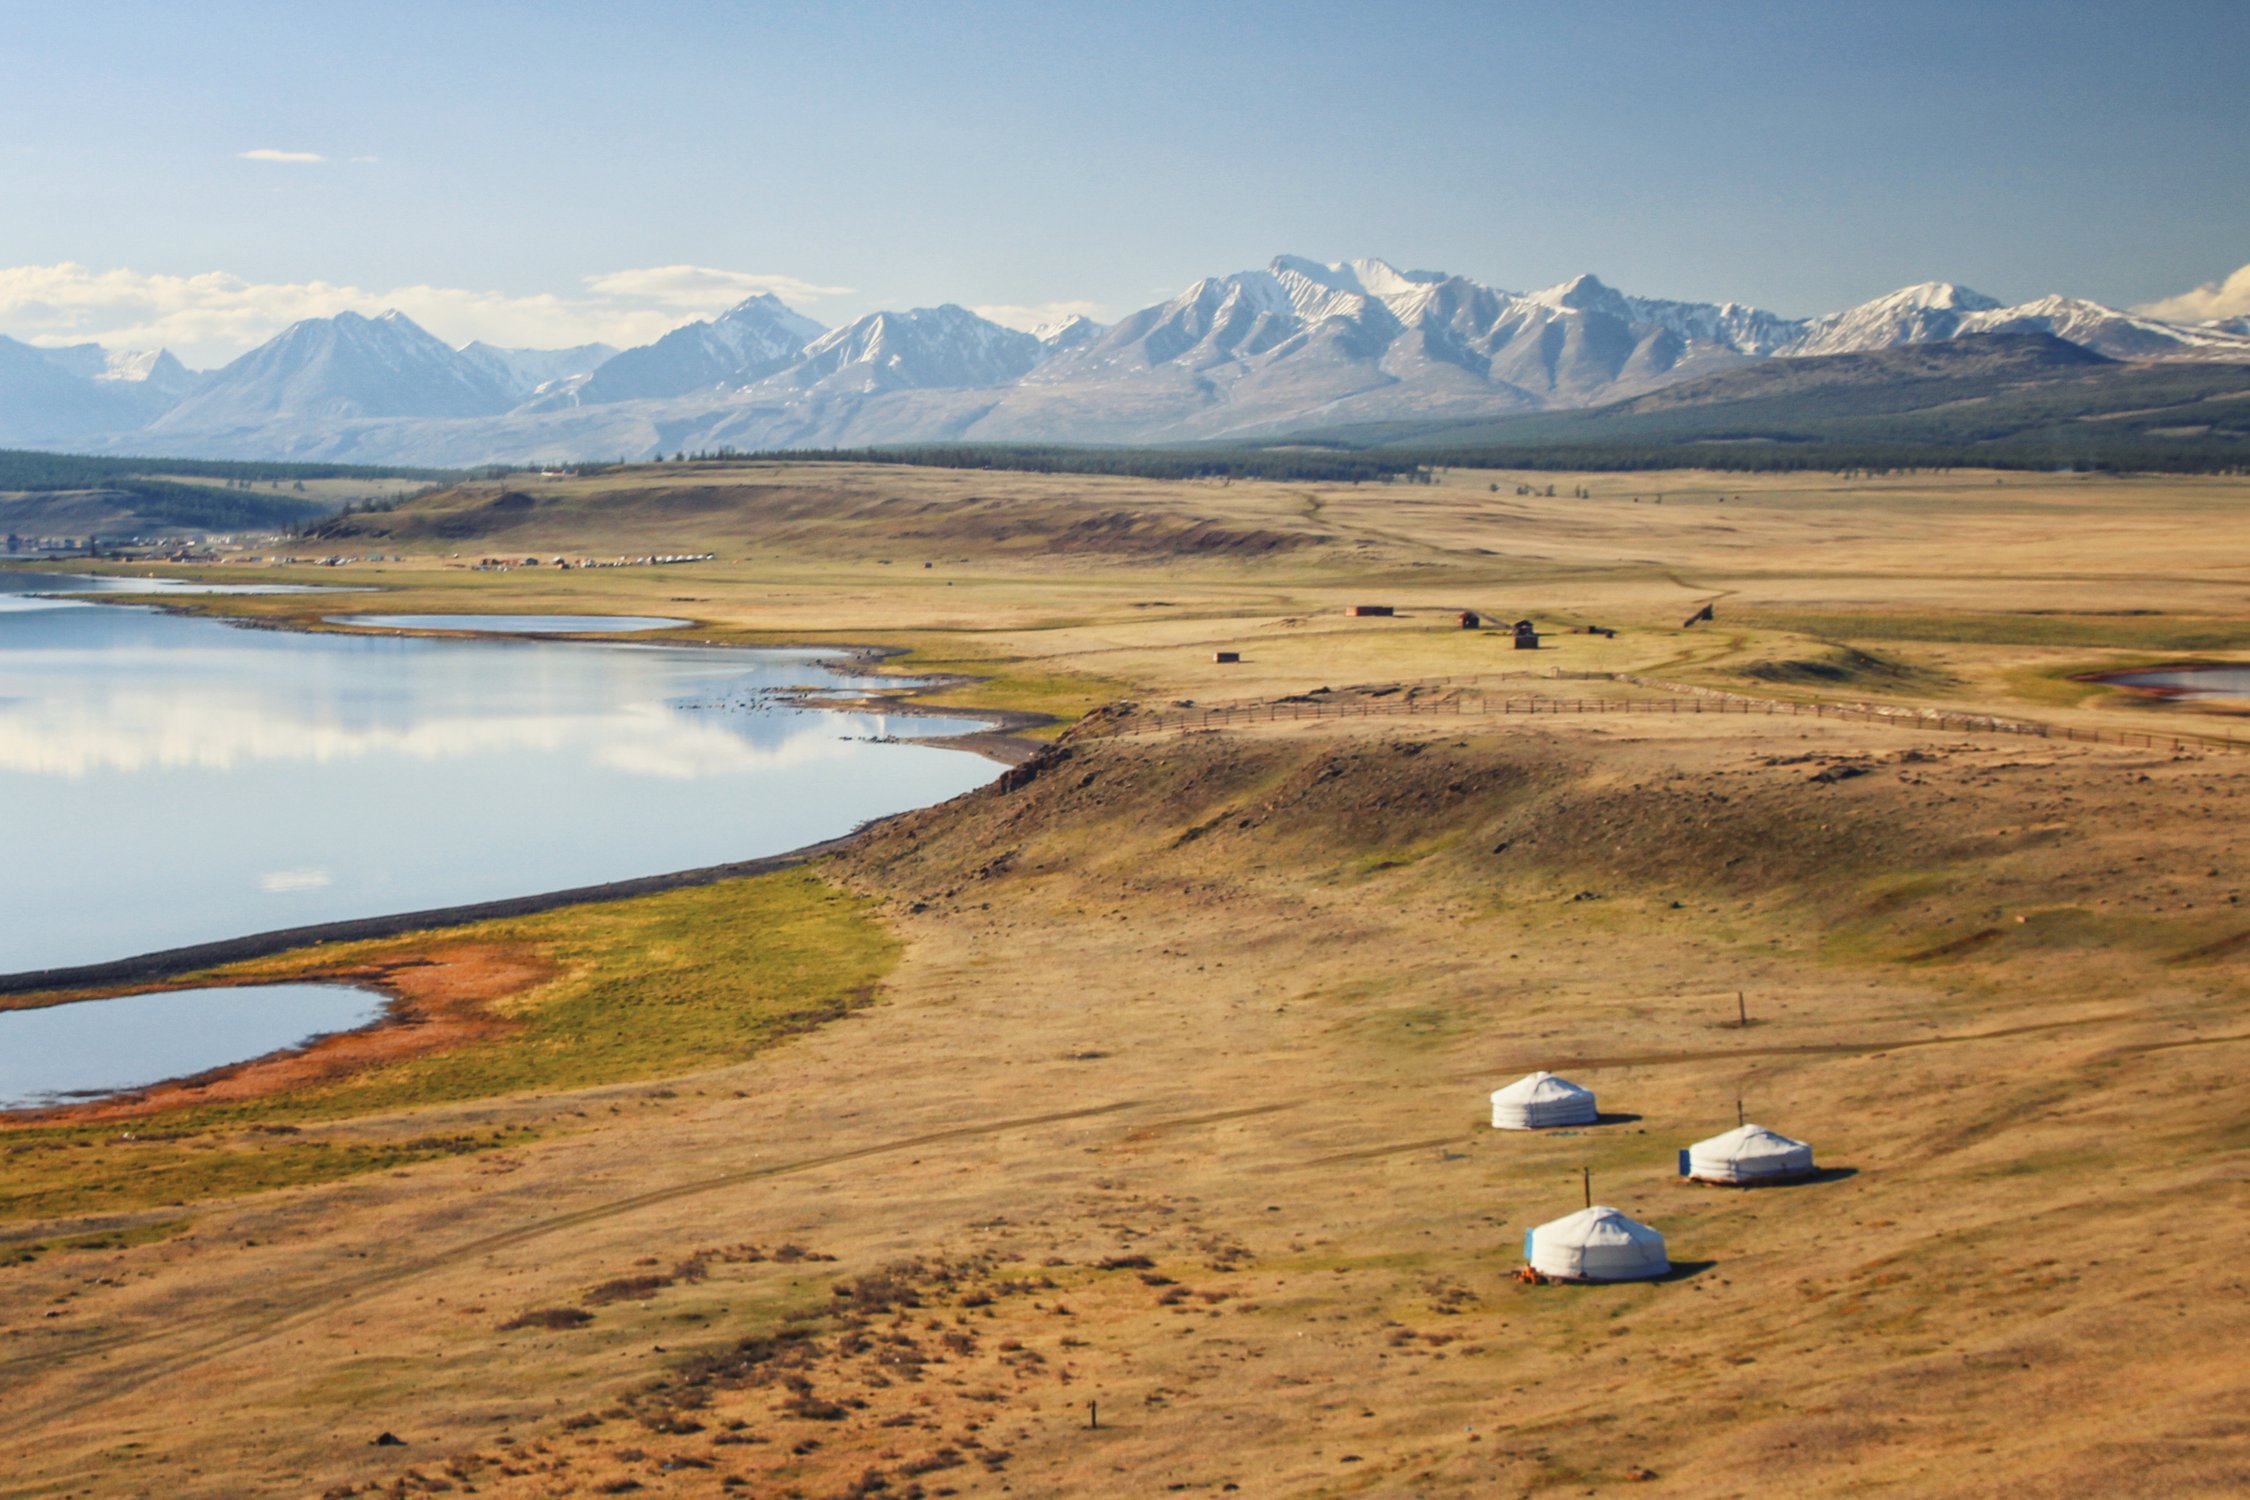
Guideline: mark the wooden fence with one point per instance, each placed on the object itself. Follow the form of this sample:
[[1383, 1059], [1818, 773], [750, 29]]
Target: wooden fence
[[1683, 701]]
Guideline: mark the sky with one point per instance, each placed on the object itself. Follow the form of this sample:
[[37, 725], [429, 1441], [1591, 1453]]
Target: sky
[[546, 174]]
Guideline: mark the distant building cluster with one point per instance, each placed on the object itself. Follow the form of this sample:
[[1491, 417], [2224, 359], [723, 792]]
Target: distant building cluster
[[504, 564]]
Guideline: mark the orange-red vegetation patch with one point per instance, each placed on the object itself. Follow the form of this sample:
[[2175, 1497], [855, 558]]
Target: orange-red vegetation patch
[[441, 999]]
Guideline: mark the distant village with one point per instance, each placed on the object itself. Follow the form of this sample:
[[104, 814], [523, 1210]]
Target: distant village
[[506, 564], [215, 549]]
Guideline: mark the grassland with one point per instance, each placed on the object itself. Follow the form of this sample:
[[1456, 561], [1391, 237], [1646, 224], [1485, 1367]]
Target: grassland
[[1170, 1098], [635, 990]]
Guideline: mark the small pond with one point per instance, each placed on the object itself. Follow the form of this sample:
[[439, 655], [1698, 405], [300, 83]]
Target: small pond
[[2189, 682], [60, 1054], [514, 624]]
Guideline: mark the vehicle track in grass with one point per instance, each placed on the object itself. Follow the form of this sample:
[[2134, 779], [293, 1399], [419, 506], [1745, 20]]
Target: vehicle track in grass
[[289, 1311]]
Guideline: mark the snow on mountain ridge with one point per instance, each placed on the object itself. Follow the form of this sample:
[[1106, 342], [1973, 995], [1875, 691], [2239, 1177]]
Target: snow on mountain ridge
[[753, 339], [1297, 343], [922, 348], [526, 371]]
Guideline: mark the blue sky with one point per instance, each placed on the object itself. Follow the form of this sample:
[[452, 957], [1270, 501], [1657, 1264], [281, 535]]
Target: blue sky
[[540, 173]]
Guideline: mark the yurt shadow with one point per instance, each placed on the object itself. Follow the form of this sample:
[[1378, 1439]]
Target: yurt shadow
[[1683, 1270], [1815, 1178]]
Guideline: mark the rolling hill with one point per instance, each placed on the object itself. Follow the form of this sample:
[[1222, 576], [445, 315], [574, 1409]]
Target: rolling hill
[[2006, 399]]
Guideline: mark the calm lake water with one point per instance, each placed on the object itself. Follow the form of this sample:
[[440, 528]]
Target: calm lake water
[[93, 1047], [514, 624], [2194, 682], [166, 780]]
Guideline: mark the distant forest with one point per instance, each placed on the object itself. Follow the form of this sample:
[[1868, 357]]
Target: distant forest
[[1770, 457], [24, 469], [43, 486], [2177, 417]]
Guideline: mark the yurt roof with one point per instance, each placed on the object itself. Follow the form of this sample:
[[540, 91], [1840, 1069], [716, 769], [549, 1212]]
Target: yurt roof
[[1598, 1225], [1538, 1086], [1746, 1141]]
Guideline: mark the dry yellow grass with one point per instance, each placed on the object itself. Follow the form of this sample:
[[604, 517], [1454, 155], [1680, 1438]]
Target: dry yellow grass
[[1230, 1003]]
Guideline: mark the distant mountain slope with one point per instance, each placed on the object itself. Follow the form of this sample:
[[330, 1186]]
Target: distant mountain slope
[[750, 340], [346, 366], [1297, 344], [79, 395], [2014, 397], [60, 494], [523, 372]]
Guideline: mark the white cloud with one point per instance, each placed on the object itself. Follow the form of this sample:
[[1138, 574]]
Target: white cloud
[[706, 287], [211, 317], [2214, 299], [267, 153], [1037, 315]]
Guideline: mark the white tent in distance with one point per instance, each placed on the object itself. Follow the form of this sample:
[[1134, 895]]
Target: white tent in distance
[[1539, 1100], [1745, 1155], [1596, 1244]]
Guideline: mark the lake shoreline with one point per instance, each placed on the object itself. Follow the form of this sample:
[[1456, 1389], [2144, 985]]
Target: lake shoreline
[[1000, 740]]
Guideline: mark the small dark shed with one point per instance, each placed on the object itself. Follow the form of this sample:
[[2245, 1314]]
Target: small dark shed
[[1223, 657], [1370, 609], [1527, 636], [1471, 620]]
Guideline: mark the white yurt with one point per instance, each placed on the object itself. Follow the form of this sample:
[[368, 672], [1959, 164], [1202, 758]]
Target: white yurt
[[1748, 1153], [1538, 1100], [1596, 1244]]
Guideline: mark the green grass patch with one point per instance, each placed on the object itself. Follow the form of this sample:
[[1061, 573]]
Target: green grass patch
[[642, 989], [1008, 686], [90, 1170], [1843, 667], [1370, 862], [2125, 630], [648, 988], [24, 1252]]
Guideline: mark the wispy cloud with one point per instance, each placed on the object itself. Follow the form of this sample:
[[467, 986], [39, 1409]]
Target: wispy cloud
[[268, 153], [210, 317], [704, 286], [1037, 315], [2214, 299]]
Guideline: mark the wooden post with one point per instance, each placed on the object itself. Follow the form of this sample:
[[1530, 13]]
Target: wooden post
[[1738, 1114], [1093, 1415], [1586, 1175], [1741, 1010]]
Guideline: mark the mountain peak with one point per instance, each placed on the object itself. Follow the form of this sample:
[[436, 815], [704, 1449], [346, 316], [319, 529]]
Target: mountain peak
[[758, 304], [1584, 292], [1950, 296]]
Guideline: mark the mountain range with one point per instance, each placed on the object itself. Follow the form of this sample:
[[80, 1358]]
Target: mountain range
[[1298, 345]]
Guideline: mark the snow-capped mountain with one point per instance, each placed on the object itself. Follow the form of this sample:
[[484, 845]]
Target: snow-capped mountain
[[747, 342], [1913, 315], [525, 372], [348, 366], [1294, 345], [81, 393], [153, 369], [1071, 332], [926, 348]]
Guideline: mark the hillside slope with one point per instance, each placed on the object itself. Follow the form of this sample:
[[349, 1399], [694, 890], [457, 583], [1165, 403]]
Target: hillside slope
[[2010, 398]]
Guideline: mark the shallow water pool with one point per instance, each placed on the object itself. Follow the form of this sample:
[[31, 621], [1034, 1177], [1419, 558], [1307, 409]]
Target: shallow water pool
[[89, 1048]]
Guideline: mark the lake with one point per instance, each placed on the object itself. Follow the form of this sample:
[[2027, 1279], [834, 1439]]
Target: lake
[[168, 780], [61, 1053], [2190, 682]]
